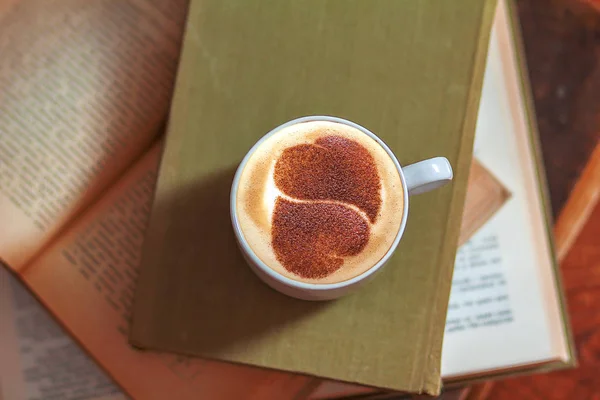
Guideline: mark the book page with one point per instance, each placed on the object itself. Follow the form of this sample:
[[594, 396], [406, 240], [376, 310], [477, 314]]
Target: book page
[[504, 309], [38, 359], [87, 279], [84, 89]]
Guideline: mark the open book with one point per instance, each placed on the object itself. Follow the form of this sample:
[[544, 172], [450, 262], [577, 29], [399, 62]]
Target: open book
[[84, 92]]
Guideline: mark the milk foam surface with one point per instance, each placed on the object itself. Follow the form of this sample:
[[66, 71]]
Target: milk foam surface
[[320, 202]]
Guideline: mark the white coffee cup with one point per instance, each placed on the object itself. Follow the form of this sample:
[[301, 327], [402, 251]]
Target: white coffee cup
[[416, 178]]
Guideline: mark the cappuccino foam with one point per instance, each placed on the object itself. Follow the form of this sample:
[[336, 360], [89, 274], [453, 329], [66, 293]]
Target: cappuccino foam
[[320, 202]]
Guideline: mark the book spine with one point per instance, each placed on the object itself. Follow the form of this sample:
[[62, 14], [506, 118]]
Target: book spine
[[449, 247]]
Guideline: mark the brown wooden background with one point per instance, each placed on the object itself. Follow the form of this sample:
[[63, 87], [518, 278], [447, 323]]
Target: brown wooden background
[[562, 47]]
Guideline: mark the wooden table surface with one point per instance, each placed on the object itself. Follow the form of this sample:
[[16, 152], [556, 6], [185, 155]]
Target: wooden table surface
[[562, 47]]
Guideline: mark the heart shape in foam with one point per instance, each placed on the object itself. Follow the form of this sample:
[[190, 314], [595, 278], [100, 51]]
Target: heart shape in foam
[[311, 237], [334, 168]]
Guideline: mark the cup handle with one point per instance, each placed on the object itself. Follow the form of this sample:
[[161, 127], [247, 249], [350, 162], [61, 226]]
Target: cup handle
[[427, 175]]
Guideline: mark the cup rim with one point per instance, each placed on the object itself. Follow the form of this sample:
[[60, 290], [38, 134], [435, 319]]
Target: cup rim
[[280, 277]]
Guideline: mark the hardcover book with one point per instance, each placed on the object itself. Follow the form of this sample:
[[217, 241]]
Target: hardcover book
[[411, 72]]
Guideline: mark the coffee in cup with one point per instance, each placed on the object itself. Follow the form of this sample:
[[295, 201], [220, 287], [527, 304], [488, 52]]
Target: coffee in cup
[[319, 201]]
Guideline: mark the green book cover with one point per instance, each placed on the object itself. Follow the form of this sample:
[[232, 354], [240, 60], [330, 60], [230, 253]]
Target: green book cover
[[411, 72]]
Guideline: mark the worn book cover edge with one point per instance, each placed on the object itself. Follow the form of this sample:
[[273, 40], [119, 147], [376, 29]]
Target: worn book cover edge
[[449, 248]]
